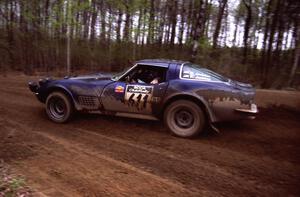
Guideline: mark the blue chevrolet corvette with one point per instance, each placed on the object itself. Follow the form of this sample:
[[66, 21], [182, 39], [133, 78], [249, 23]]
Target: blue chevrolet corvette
[[186, 96]]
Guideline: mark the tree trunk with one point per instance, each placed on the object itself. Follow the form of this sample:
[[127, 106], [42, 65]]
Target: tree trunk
[[103, 22], [189, 22], [69, 5], [269, 61], [93, 21], [198, 30], [182, 24], [266, 35], [222, 5], [126, 33], [150, 37], [86, 19], [119, 22], [296, 53], [247, 28], [281, 29], [162, 24], [235, 31], [138, 28], [173, 22]]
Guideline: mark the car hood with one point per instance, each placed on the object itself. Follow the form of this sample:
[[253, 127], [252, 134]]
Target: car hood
[[240, 84], [91, 77]]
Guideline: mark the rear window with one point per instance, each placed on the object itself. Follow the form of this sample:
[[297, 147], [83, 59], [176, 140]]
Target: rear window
[[196, 72]]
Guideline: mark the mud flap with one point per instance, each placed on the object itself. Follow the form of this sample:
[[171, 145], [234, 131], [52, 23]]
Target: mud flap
[[214, 128]]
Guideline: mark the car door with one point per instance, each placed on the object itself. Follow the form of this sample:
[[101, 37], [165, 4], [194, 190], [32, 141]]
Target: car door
[[140, 98]]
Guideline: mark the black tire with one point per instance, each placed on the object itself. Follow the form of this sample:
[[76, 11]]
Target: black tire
[[59, 107], [184, 118]]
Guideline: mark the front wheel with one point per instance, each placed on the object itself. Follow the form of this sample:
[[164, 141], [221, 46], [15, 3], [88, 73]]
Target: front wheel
[[184, 118], [59, 107]]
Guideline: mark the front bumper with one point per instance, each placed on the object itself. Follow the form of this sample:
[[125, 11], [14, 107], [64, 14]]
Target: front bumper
[[253, 109], [34, 87]]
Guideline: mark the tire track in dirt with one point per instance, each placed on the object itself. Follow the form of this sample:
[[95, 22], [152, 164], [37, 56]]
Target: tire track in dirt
[[191, 171], [80, 148], [178, 187], [89, 159], [54, 175]]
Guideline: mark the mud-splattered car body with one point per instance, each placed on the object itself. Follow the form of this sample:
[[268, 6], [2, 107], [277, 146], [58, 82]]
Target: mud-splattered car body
[[220, 98]]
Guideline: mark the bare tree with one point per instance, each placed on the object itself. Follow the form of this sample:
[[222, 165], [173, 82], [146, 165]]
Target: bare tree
[[222, 5], [248, 4]]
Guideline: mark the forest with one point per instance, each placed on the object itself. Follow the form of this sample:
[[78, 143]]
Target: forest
[[250, 40]]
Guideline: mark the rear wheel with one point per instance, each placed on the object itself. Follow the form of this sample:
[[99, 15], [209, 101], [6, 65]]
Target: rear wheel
[[184, 118], [59, 108]]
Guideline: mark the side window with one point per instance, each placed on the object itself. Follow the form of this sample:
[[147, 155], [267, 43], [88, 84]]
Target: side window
[[190, 71], [145, 74]]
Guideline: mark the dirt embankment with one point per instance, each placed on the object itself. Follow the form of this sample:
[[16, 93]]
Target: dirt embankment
[[108, 156]]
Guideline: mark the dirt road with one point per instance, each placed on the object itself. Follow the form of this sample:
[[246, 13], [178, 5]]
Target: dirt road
[[107, 156]]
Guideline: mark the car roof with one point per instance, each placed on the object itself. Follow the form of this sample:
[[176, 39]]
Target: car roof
[[160, 62]]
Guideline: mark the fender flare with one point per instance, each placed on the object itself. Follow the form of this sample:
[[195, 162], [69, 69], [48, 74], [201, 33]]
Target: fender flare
[[194, 97], [64, 90]]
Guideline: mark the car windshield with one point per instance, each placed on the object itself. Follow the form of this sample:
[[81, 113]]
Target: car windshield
[[196, 72], [117, 76]]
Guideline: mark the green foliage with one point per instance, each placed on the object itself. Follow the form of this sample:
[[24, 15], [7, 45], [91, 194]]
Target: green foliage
[[16, 183], [204, 44], [10, 185]]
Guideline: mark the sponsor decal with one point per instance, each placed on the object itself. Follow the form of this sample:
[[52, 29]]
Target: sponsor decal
[[119, 88], [139, 89], [197, 76]]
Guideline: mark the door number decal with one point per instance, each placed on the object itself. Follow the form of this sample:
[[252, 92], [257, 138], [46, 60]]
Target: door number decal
[[139, 97]]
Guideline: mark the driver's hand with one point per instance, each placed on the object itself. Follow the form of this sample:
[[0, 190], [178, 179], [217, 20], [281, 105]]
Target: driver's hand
[[127, 79], [140, 81], [154, 81]]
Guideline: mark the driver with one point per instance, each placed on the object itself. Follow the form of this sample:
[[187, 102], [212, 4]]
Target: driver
[[146, 76], [136, 77], [155, 78]]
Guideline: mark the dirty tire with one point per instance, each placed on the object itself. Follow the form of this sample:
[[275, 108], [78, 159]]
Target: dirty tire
[[184, 118], [59, 107]]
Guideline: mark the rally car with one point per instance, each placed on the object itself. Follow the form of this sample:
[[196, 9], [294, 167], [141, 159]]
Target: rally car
[[187, 97]]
